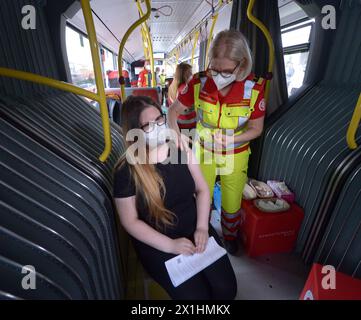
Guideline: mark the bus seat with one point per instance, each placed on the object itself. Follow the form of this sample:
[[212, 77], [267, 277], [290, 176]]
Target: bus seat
[[149, 92], [11, 273], [341, 243], [305, 145], [21, 250], [62, 134]]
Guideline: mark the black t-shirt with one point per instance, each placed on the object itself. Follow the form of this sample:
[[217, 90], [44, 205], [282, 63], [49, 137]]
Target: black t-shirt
[[179, 196]]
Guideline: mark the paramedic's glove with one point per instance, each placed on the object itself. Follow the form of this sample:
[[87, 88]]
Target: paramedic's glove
[[201, 239], [183, 246]]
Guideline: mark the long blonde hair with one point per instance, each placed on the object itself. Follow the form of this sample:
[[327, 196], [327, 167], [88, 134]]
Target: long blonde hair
[[181, 75], [233, 45], [148, 183]]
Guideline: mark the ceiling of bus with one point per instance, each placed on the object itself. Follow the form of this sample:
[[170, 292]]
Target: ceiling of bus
[[167, 31]]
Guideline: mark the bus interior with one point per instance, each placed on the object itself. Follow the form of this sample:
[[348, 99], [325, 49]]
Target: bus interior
[[67, 66]]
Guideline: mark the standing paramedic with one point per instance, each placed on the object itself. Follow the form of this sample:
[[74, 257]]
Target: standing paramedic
[[143, 77], [230, 107]]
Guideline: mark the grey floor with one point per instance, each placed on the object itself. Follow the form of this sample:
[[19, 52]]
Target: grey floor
[[269, 277]]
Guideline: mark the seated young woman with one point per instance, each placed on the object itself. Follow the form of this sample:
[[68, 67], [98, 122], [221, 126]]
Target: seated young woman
[[164, 205]]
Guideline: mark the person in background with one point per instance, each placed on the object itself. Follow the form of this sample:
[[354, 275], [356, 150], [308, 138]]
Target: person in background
[[157, 83], [187, 119], [157, 76], [230, 108], [162, 78], [125, 74], [143, 77], [113, 78], [162, 219]]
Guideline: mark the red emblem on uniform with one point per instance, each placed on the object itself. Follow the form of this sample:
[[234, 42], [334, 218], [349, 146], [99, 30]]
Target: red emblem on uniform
[[262, 105]]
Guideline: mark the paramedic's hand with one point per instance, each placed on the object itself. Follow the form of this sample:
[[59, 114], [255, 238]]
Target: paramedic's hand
[[201, 239], [218, 141], [228, 140], [183, 142], [183, 246]]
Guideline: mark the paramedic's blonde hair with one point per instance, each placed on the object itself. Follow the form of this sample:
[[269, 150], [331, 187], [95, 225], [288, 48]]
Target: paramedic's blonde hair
[[233, 45]]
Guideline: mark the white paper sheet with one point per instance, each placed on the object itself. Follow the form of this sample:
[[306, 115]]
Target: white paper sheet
[[182, 267]]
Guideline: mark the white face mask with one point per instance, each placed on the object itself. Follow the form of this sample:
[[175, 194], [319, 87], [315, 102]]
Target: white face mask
[[147, 67], [157, 136], [222, 82]]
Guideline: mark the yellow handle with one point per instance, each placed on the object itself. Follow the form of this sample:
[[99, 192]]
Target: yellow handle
[[354, 123], [27, 76], [61, 85], [196, 36], [271, 55], [149, 42], [94, 47], [124, 40], [214, 20]]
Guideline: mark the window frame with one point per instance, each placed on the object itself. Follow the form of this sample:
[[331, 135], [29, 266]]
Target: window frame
[[302, 47], [101, 45], [298, 48]]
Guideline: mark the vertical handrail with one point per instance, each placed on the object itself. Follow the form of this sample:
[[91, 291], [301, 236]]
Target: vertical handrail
[[61, 85], [94, 48], [196, 36], [354, 123], [145, 44], [210, 36], [150, 44], [177, 53], [271, 54], [122, 45]]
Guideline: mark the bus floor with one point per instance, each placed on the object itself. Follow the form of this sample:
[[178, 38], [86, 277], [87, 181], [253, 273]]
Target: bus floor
[[269, 277]]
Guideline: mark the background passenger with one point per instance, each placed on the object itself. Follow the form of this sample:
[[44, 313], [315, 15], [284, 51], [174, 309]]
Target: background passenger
[[187, 119]]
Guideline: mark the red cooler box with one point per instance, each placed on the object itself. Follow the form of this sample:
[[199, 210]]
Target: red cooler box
[[344, 287], [264, 232]]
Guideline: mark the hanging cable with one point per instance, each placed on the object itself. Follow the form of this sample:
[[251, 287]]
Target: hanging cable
[[111, 32], [159, 10], [204, 21]]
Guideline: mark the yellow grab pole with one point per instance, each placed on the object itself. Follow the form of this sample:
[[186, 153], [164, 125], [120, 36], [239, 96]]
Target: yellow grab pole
[[194, 46], [151, 54], [150, 44], [124, 40], [177, 57], [145, 47], [94, 47], [354, 123], [271, 54], [214, 20]]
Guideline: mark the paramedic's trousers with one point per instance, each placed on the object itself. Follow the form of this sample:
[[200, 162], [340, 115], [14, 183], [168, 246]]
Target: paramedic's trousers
[[232, 169]]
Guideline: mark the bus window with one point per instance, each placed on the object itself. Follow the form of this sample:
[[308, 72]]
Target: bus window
[[295, 31], [296, 44], [108, 62], [80, 60]]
